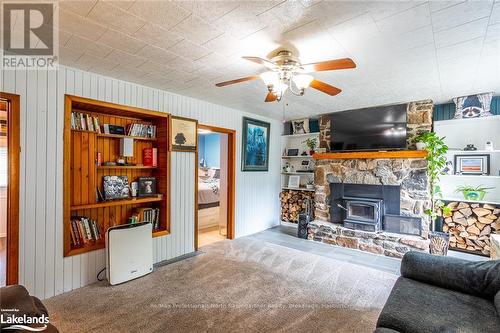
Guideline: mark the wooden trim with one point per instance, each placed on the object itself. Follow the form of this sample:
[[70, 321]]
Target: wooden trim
[[231, 177], [14, 149], [171, 133], [196, 195], [372, 154]]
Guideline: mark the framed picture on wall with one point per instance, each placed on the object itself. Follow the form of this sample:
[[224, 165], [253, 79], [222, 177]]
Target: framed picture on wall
[[255, 150], [183, 134], [294, 181], [472, 164]]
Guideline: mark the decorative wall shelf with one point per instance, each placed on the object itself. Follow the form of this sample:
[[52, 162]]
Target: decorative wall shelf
[[372, 154], [300, 135], [298, 173], [110, 203], [307, 156], [297, 189]]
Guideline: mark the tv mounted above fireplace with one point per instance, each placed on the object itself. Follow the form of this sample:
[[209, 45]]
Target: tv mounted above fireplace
[[377, 128]]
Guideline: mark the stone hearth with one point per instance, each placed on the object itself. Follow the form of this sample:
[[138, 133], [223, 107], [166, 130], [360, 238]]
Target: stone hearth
[[408, 173]]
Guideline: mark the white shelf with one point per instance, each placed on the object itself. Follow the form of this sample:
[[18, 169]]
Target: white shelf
[[297, 189], [496, 151], [307, 156], [473, 176], [473, 201], [300, 135], [297, 173]]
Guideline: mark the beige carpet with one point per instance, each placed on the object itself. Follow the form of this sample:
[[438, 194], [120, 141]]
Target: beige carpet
[[243, 285]]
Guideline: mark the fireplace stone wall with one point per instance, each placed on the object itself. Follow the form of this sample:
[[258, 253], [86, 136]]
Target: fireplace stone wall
[[410, 174]]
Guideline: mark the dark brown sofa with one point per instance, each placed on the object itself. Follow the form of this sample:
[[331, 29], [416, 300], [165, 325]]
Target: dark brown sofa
[[15, 301]]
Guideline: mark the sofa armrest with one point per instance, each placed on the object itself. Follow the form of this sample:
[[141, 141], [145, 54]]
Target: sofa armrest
[[480, 278]]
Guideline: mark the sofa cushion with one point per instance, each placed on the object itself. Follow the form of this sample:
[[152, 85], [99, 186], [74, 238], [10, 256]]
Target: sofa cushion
[[416, 307], [478, 278]]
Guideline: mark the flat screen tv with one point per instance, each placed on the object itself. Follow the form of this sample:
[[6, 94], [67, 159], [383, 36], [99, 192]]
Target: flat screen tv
[[378, 128]]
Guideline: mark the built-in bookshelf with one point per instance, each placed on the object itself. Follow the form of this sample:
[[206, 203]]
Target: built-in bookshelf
[[83, 177]]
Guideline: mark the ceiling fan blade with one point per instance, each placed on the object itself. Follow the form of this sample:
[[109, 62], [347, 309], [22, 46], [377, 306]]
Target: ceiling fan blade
[[329, 65], [325, 87], [243, 79], [270, 97], [261, 61]]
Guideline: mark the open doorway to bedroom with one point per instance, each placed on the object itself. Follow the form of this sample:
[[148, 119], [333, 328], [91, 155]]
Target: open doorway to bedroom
[[215, 185]]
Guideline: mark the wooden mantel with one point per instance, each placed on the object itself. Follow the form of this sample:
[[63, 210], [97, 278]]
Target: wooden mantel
[[372, 154]]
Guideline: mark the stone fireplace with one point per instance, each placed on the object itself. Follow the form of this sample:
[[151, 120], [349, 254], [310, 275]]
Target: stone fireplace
[[393, 186]]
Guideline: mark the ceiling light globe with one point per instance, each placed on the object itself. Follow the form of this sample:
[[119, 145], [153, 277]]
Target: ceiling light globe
[[270, 78], [302, 81]]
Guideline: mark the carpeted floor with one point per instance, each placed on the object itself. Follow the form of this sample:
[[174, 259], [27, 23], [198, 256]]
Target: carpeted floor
[[243, 285]]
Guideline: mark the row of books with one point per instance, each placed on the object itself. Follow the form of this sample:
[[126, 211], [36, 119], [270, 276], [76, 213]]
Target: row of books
[[85, 122], [84, 230], [141, 130], [147, 215]]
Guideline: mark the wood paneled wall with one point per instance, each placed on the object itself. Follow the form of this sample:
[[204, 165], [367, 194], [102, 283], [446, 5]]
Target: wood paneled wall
[[43, 270]]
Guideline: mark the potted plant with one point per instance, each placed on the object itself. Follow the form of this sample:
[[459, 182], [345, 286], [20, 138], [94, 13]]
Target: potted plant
[[473, 193], [436, 161], [310, 184], [311, 143]]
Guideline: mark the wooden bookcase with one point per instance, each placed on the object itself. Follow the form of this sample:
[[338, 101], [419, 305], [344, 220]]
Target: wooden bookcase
[[82, 176]]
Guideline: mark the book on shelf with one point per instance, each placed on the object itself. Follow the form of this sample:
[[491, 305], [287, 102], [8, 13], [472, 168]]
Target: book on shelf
[[150, 157], [83, 230], [141, 130], [85, 122], [148, 215]]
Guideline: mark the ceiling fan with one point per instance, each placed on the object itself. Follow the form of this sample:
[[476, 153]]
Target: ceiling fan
[[285, 71]]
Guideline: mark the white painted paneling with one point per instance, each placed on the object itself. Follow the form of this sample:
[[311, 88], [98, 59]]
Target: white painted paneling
[[43, 269]]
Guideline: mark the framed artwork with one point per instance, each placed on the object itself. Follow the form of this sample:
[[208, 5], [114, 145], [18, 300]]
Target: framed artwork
[[116, 187], [473, 106], [300, 126], [472, 164], [292, 152], [255, 150], [146, 186], [294, 181], [183, 134]]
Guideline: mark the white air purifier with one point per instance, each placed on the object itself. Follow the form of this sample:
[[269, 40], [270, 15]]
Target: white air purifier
[[129, 252]]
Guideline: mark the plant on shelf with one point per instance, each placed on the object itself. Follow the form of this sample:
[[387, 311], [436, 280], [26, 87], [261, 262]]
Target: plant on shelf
[[473, 193], [310, 184], [311, 143], [436, 161]]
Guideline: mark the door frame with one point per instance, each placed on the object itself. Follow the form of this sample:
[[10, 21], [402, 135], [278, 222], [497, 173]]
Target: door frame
[[13, 149], [231, 180]]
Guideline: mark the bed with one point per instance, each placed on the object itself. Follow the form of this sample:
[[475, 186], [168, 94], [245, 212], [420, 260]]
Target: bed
[[208, 188]]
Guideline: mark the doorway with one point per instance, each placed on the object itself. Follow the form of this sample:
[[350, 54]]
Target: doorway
[[215, 185], [9, 188]]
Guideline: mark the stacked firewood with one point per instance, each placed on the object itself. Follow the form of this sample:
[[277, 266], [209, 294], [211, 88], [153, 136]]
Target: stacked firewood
[[293, 203], [471, 224]]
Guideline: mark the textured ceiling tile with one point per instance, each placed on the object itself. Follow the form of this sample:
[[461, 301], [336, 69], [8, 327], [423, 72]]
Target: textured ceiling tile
[[461, 33], [331, 13], [64, 37], [224, 44], [123, 4], [462, 13], [125, 58], [68, 56], [157, 36], [154, 67], [240, 23], [79, 25], [115, 17], [439, 5], [382, 9], [411, 19], [288, 15], [89, 46], [88, 61], [120, 41], [164, 13], [189, 50], [156, 54], [493, 33], [473, 46], [208, 10], [183, 64], [196, 30], [82, 7], [495, 14]]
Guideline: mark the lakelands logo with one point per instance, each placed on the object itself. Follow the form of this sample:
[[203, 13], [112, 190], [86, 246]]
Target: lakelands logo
[[30, 35], [24, 322]]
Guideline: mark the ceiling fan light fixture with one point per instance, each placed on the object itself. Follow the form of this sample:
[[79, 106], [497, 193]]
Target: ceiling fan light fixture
[[302, 81], [270, 78]]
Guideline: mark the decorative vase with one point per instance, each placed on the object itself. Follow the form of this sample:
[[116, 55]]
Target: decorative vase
[[311, 152], [420, 145], [439, 243], [474, 195]]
